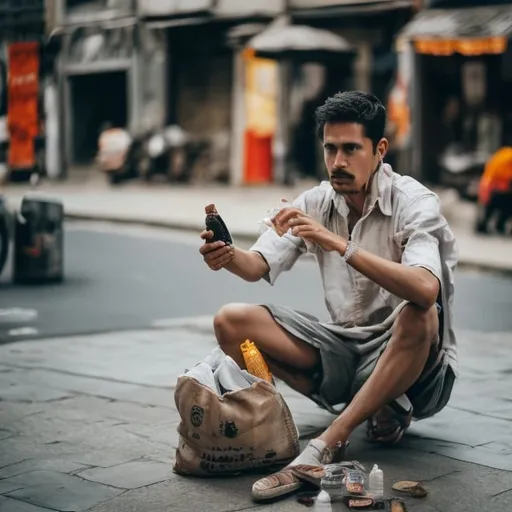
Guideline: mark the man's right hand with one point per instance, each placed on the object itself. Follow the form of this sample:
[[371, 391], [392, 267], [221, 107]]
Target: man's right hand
[[216, 254]]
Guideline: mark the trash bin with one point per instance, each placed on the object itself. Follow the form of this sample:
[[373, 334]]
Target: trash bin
[[39, 241], [5, 236]]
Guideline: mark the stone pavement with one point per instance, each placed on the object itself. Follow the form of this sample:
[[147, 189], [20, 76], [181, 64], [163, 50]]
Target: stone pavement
[[88, 423], [88, 196]]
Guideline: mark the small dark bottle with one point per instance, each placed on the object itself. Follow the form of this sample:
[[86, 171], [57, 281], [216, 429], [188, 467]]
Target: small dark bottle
[[215, 223]]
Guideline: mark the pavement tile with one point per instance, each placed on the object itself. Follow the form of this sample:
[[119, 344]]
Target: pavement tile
[[6, 486], [96, 387], [10, 505], [130, 475], [164, 433], [149, 396], [4, 370], [182, 494], [22, 447], [468, 490], [101, 458], [85, 357], [11, 412], [4, 434], [66, 427], [475, 455], [503, 503], [60, 492], [447, 426], [121, 411], [28, 393], [57, 464]]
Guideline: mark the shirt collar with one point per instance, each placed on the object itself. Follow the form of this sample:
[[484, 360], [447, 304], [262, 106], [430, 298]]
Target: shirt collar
[[380, 192]]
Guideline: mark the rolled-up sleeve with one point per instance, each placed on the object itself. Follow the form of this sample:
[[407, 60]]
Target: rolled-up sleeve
[[420, 224], [280, 253]]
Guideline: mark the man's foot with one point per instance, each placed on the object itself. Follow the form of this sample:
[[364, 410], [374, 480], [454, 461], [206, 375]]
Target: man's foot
[[388, 426], [286, 481]]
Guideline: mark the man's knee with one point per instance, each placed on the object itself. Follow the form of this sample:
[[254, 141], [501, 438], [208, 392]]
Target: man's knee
[[229, 322], [417, 327]]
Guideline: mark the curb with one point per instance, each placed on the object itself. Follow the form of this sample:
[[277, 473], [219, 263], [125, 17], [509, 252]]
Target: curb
[[248, 237], [165, 224]]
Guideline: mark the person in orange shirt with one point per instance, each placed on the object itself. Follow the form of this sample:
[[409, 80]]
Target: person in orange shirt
[[495, 191]]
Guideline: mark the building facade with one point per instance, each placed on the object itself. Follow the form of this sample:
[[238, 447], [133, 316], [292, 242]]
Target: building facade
[[144, 64], [456, 68]]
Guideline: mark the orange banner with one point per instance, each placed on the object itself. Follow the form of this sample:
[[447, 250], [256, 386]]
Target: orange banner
[[468, 47], [22, 104]]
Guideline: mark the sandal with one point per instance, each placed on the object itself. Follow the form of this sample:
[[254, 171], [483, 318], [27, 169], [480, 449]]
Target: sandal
[[391, 429], [276, 485], [292, 478]]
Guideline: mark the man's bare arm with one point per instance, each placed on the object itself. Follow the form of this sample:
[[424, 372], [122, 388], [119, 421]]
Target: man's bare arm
[[414, 284], [249, 265]]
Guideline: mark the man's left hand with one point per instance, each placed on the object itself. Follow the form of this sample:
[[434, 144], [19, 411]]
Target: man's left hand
[[305, 227]]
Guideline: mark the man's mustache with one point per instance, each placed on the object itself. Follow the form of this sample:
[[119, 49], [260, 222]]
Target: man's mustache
[[341, 174]]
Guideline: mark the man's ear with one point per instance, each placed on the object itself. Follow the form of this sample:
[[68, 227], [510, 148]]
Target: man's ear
[[382, 148]]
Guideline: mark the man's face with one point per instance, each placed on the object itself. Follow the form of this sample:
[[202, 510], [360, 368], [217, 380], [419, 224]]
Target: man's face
[[349, 156]]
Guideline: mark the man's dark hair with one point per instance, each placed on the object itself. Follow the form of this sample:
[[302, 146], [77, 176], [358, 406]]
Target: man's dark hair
[[353, 107]]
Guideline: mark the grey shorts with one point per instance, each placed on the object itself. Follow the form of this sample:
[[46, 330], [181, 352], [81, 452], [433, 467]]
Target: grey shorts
[[345, 367]]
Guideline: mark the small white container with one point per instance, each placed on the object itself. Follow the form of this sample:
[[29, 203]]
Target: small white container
[[376, 482]]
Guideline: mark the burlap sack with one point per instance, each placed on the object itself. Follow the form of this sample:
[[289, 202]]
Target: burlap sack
[[240, 430]]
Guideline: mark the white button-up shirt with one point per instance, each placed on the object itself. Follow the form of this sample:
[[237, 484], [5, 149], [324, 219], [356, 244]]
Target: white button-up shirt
[[401, 222]]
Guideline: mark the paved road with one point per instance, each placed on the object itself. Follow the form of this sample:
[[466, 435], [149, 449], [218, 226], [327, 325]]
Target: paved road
[[88, 422], [126, 278]]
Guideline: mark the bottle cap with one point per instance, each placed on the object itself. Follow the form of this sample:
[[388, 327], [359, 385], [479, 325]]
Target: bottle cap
[[211, 209], [324, 497]]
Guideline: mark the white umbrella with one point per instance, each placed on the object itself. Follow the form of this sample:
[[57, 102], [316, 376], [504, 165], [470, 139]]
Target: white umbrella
[[296, 39]]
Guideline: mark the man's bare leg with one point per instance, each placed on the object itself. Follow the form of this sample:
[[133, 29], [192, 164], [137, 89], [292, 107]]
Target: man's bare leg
[[288, 358], [397, 370], [297, 380]]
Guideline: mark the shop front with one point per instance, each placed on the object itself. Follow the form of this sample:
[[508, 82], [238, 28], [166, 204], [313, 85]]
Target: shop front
[[97, 85], [456, 65], [369, 28]]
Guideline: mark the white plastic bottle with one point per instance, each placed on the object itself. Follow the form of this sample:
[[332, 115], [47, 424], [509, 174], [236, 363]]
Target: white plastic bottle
[[323, 502], [376, 482]]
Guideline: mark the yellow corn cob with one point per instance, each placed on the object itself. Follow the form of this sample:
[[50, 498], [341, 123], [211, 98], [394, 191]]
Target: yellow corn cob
[[254, 361]]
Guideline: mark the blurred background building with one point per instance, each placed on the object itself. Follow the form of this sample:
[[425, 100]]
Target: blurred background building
[[456, 65], [22, 129], [246, 76]]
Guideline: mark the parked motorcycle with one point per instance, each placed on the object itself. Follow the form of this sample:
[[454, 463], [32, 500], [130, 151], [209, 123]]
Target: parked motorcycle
[[164, 152], [118, 154], [461, 170]]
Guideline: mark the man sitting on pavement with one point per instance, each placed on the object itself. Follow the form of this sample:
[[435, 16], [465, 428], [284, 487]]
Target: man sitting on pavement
[[386, 257]]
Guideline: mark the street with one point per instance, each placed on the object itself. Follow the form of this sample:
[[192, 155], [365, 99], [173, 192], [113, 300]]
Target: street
[[120, 278], [133, 117], [88, 421]]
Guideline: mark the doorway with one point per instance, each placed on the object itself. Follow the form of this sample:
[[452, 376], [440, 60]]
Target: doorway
[[96, 99]]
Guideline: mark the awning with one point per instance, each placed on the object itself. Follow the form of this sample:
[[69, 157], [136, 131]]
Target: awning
[[281, 40], [346, 8], [469, 31], [178, 22], [104, 24]]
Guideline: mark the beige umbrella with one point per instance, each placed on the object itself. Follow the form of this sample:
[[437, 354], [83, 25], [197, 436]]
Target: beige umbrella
[[299, 41]]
